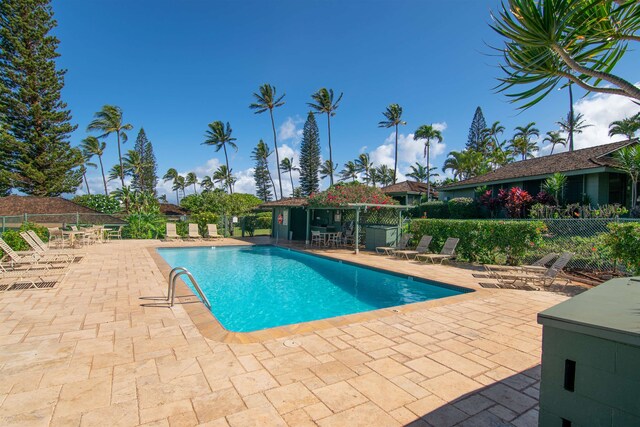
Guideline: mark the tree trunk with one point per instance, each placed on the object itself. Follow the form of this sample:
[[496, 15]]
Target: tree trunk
[[570, 119], [104, 180], [395, 162], [291, 177], [275, 143], [226, 159], [428, 173], [195, 190], [84, 175], [330, 151]]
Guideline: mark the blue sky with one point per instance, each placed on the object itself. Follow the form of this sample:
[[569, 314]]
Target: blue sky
[[174, 67]]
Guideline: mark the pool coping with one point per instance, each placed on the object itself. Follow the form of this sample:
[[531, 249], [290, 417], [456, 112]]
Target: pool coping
[[211, 328]]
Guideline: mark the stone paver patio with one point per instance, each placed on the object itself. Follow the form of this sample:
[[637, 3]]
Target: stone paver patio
[[87, 352]]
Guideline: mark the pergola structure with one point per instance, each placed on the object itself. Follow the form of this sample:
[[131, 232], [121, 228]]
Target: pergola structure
[[358, 208]]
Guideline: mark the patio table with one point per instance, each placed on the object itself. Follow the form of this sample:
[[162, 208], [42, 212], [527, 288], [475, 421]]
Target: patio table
[[72, 236], [330, 236]]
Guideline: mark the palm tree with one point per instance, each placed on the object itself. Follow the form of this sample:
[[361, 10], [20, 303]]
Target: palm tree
[[427, 132], [629, 161], [172, 175], [207, 183], [179, 184], [91, 146], [219, 136], [108, 121], [327, 168], [192, 179], [420, 173], [393, 115], [262, 152], [224, 176], [115, 172], [134, 165], [554, 139], [574, 123], [323, 104], [268, 100], [521, 142], [493, 132], [385, 175], [287, 167], [500, 155], [374, 176], [123, 194], [350, 171], [627, 126], [83, 171], [364, 165], [465, 164]]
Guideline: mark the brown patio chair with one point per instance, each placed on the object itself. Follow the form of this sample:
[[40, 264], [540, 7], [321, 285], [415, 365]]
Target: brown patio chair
[[422, 248], [402, 245], [448, 252]]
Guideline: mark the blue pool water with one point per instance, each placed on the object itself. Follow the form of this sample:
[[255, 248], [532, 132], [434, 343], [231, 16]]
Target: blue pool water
[[258, 287]]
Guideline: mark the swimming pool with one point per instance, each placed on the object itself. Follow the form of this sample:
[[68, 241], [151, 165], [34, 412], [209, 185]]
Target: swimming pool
[[258, 287]]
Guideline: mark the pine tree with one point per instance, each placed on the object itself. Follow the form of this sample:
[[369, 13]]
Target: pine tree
[[310, 157], [6, 150], [40, 159], [148, 179], [261, 174], [476, 138]]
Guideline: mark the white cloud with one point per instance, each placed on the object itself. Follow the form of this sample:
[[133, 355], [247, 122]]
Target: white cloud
[[289, 130], [245, 182], [599, 111], [409, 150]]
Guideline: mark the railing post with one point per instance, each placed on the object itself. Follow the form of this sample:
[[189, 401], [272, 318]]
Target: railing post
[[77, 219], [26, 217], [4, 223]]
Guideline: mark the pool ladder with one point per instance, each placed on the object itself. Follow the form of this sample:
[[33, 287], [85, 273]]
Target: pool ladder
[[171, 291]]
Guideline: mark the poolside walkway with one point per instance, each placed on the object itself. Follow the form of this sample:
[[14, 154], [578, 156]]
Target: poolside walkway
[[88, 353]]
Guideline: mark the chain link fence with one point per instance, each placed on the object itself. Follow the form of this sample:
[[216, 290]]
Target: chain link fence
[[13, 222]]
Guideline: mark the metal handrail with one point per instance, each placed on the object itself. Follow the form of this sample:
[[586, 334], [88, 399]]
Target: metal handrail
[[173, 276]]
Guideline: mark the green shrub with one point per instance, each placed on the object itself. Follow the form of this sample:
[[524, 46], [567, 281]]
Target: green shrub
[[98, 202], [145, 225], [462, 208], [17, 243], [482, 241], [624, 242], [202, 219], [436, 209]]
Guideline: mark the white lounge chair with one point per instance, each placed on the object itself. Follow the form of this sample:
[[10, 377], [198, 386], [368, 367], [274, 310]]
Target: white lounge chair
[[212, 231], [194, 233], [30, 257], [42, 249], [171, 231]]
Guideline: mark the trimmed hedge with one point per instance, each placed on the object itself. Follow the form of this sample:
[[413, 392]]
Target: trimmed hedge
[[17, 243], [462, 208], [435, 209], [481, 240]]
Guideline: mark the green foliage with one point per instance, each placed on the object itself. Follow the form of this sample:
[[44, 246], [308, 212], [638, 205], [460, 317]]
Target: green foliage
[[255, 222], [624, 243], [481, 240], [36, 123], [98, 202], [145, 225], [590, 253], [437, 209], [310, 157], [555, 185], [202, 219], [462, 207], [147, 180], [476, 140], [17, 243], [352, 192], [261, 174]]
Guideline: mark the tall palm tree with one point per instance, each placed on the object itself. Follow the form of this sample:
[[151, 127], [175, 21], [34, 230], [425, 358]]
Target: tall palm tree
[[262, 152], [364, 165], [115, 172], [109, 120], [225, 177], [554, 138], [629, 161], [427, 133], [323, 104], [521, 142], [267, 100], [627, 126], [374, 176], [393, 116], [287, 167], [179, 184], [219, 137], [572, 124], [418, 172], [172, 175], [493, 132], [500, 155], [207, 183], [192, 179], [83, 170], [350, 171], [90, 147], [327, 168]]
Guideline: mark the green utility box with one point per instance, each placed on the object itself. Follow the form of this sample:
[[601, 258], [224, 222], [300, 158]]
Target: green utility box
[[378, 235], [591, 358]]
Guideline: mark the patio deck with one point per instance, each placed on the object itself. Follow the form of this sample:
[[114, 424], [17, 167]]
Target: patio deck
[[88, 353]]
